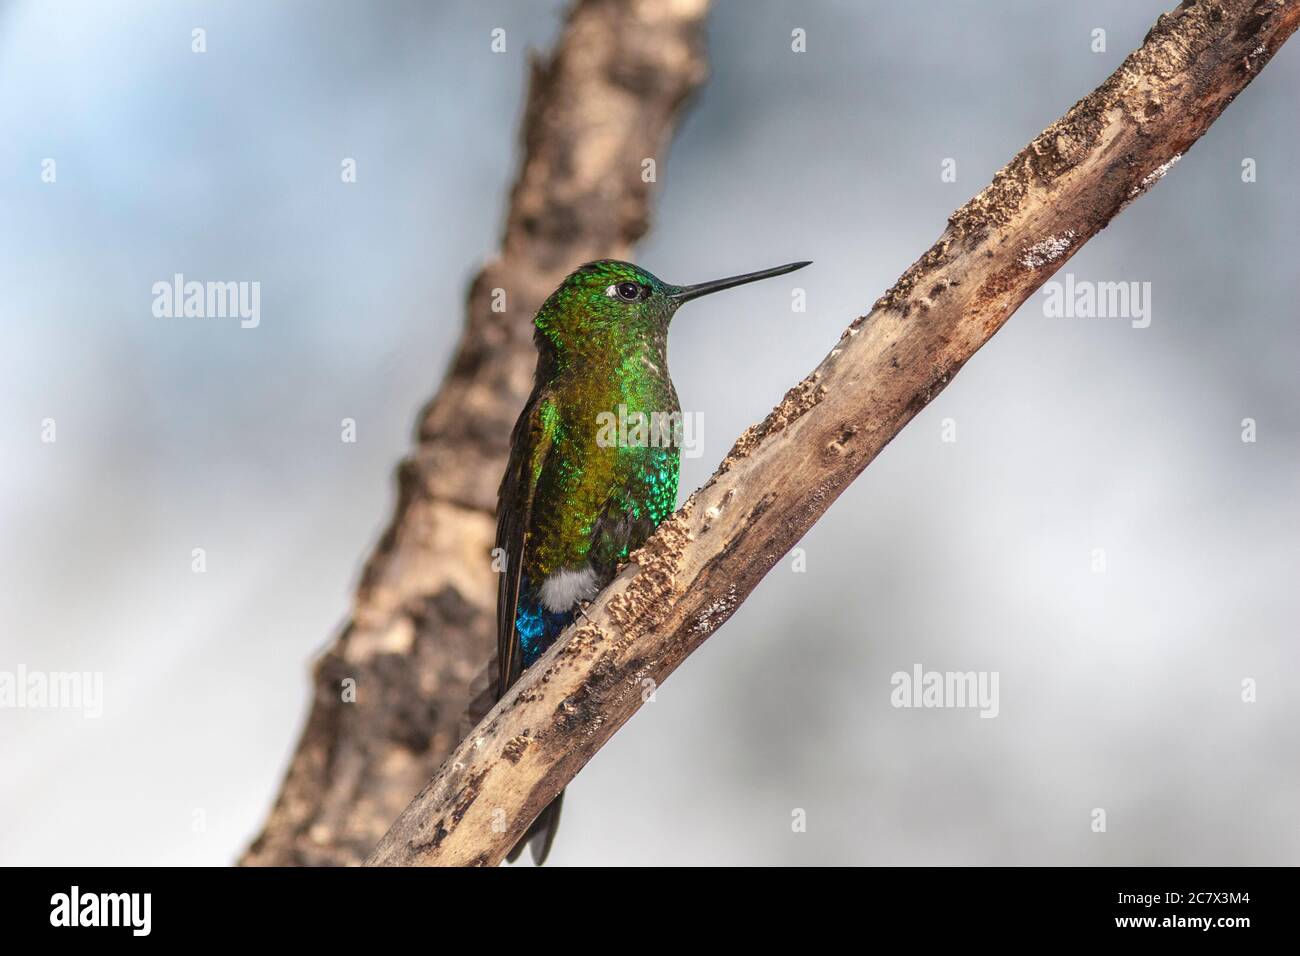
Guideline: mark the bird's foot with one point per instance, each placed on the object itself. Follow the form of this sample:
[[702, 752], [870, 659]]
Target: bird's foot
[[582, 610]]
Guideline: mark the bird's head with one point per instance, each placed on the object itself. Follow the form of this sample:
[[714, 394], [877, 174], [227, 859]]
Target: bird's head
[[608, 302]]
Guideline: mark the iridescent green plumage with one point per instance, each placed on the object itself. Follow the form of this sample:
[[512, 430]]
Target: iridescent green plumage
[[578, 497]]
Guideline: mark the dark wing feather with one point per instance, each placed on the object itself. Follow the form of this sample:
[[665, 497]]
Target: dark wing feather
[[529, 444]]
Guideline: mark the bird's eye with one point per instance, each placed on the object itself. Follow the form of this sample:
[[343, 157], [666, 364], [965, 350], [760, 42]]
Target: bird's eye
[[628, 291]]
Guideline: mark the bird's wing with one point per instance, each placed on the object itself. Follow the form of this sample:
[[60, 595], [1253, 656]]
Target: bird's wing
[[530, 443]]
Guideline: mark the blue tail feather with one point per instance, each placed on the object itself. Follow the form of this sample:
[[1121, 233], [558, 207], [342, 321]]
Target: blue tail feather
[[536, 626]]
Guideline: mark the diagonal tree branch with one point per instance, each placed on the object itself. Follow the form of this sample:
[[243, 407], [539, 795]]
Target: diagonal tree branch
[[784, 473], [423, 620]]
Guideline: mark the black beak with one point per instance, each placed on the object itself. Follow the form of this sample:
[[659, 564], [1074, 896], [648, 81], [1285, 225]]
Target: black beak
[[684, 293]]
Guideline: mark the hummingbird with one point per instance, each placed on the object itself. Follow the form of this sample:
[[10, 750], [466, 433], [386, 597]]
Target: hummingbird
[[578, 496]]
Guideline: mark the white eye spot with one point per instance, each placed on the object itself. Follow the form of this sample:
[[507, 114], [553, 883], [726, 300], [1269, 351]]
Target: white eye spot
[[612, 292]]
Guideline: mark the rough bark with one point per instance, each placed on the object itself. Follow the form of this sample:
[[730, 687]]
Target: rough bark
[[422, 624], [784, 473]]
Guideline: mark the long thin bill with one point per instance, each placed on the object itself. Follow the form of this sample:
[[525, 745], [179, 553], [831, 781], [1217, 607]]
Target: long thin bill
[[688, 292]]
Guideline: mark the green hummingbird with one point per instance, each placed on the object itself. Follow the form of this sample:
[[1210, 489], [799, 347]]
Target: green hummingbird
[[579, 495]]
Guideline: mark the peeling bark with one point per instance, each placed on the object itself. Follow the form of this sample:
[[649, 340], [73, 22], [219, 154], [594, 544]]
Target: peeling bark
[[784, 473], [423, 622]]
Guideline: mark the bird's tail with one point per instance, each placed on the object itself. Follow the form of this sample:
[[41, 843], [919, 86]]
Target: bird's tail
[[541, 834]]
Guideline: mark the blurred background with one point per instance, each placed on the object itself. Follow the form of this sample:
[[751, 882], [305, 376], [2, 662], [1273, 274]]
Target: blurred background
[[1119, 690]]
